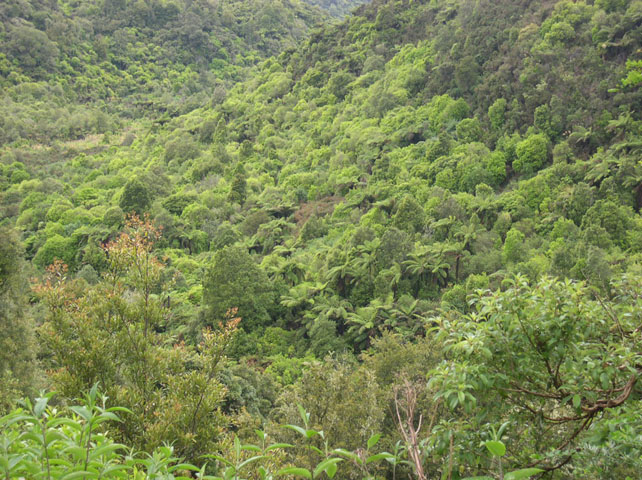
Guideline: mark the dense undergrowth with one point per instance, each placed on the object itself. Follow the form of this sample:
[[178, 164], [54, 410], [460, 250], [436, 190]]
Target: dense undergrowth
[[438, 195]]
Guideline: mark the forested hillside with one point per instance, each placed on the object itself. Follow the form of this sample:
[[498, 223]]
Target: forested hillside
[[72, 69], [422, 221], [336, 8]]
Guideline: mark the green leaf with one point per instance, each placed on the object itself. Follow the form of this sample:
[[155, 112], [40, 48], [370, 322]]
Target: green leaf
[[93, 391], [40, 406], [250, 460], [496, 448], [349, 455], [372, 441], [604, 379], [296, 428], [119, 409], [523, 473], [577, 401], [331, 470], [109, 416], [296, 471], [305, 416], [81, 412], [251, 448], [325, 465], [275, 446], [317, 450], [108, 448], [312, 433], [379, 456]]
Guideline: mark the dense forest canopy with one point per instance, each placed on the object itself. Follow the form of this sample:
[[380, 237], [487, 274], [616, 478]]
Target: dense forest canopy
[[411, 234]]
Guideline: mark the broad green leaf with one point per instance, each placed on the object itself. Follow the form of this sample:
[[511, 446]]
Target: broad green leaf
[[577, 401], [296, 428], [76, 451], [496, 448], [296, 471], [184, 466], [251, 448], [81, 412], [108, 448], [93, 391], [349, 455], [119, 409], [109, 416], [275, 446], [379, 456], [325, 464], [303, 413], [331, 470], [40, 406], [372, 441], [312, 433]]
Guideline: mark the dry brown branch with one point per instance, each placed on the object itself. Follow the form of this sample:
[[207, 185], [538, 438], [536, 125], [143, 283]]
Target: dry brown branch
[[405, 408]]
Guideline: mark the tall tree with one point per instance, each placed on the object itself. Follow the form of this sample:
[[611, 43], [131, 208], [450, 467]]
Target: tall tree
[[112, 334], [234, 281]]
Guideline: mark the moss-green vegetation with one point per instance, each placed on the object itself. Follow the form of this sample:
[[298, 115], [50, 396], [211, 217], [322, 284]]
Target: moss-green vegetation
[[354, 193]]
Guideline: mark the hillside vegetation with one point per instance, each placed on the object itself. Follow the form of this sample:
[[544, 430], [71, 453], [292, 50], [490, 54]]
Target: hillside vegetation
[[429, 208]]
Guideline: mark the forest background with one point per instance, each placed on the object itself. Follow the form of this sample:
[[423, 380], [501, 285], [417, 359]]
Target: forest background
[[216, 211]]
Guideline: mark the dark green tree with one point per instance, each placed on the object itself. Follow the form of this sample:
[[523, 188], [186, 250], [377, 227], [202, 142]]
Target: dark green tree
[[135, 197], [17, 348], [234, 281]]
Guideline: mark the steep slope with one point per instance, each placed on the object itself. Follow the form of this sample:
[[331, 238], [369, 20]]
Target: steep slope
[[368, 183], [336, 8], [70, 69], [417, 130]]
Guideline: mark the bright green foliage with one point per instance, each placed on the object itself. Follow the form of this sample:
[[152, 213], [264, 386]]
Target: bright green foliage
[[469, 130], [552, 353], [109, 334], [409, 215], [335, 196], [634, 74], [531, 154], [344, 404], [497, 113], [39, 441], [514, 246], [56, 247]]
